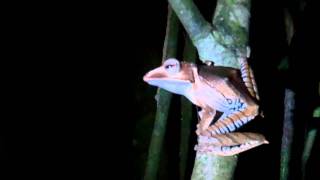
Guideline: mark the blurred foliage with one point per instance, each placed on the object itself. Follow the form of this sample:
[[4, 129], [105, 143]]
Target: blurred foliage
[[316, 112], [284, 64]]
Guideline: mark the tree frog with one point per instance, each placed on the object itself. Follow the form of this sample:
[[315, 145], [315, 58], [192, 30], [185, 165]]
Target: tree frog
[[217, 90]]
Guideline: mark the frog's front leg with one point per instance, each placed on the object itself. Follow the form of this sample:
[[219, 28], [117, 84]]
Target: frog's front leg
[[206, 117], [229, 122]]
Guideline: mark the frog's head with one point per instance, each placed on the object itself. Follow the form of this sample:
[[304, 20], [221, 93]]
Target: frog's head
[[172, 75]]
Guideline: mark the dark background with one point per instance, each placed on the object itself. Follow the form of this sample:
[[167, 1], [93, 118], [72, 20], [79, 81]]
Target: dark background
[[78, 105]]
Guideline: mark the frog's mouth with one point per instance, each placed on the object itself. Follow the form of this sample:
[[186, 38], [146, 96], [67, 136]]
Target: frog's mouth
[[164, 81], [229, 144]]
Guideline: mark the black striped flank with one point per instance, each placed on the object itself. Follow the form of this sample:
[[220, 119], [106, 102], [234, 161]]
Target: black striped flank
[[225, 124], [234, 122], [245, 77], [229, 122], [245, 72]]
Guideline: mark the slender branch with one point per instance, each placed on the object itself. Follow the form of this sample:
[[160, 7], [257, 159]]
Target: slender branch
[[309, 142], [163, 101], [189, 55], [224, 43], [287, 136], [211, 167], [191, 18]]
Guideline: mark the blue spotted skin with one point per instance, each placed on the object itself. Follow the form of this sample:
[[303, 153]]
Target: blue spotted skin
[[223, 90]]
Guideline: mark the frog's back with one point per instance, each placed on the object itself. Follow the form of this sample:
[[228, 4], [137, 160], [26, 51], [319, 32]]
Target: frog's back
[[213, 73], [223, 78]]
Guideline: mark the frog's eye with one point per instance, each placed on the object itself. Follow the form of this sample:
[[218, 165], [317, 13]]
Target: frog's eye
[[172, 66]]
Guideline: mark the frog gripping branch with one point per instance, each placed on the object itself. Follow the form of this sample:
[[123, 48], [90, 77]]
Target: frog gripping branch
[[227, 87], [214, 88]]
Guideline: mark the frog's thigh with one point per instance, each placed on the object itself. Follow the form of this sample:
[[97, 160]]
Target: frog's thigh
[[206, 117], [233, 121]]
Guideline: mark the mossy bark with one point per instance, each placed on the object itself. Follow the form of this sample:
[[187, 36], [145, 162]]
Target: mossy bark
[[163, 101], [214, 167], [223, 42], [231, 25]]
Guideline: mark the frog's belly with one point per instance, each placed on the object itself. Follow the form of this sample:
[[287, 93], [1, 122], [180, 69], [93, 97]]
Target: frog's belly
[[215, 99]]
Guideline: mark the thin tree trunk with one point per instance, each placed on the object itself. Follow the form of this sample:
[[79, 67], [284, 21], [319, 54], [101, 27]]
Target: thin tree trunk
[[222, 43], [189, 55], [163, 101], [287, 136], [289, 105], [309, 142], [214, 167]]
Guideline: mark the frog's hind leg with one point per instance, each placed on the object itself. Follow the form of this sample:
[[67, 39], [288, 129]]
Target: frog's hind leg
[[206, 117], [253, 81], [232, 121], [248, 78]]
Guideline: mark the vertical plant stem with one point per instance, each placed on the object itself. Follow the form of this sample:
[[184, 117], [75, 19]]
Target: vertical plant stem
[[191, 18], [163, 101], [289, 105], [212, 167], [309, 142], [310, 139], [287, 136], [189, 55]]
